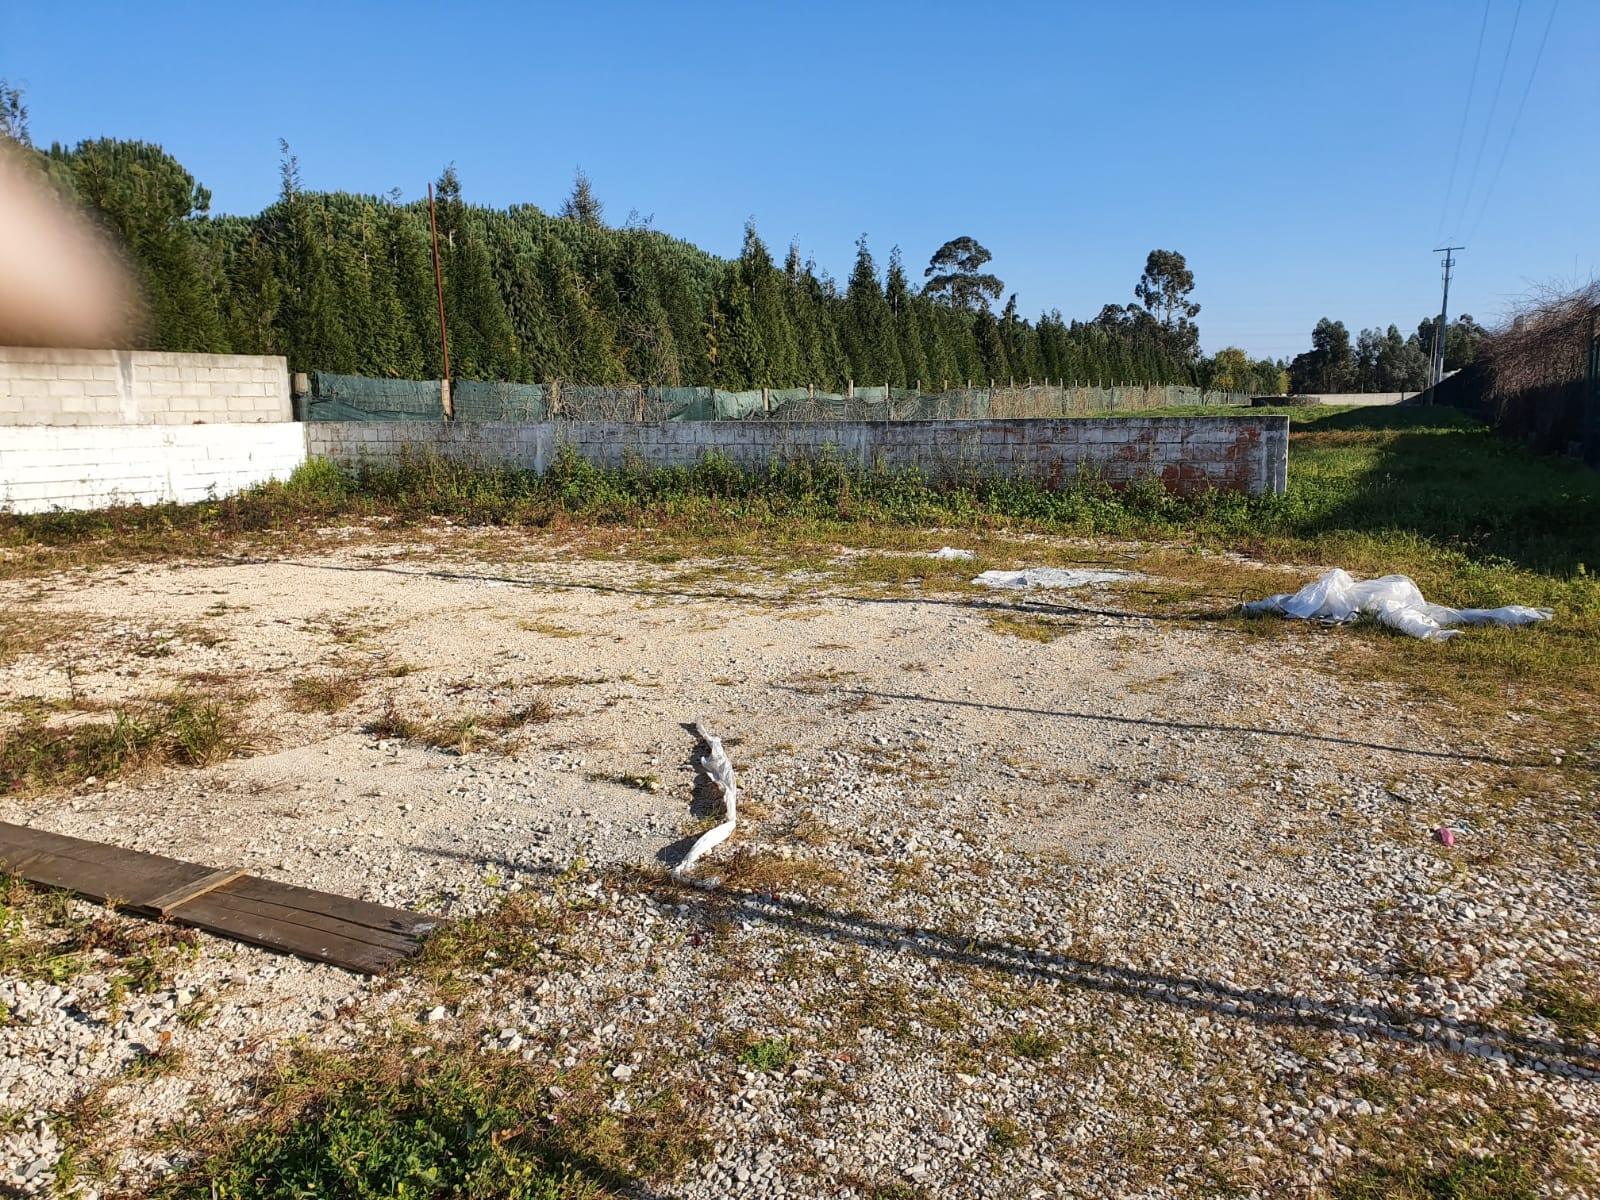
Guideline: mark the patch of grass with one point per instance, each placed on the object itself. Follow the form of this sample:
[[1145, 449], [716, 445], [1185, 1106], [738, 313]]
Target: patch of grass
[[461, 735], [469, 732], [1035, 1046], [768, 1054], [391, 724], [49, 936], [175, 730], [1005, 1134], [1570, 1000], [1030, 628], [324, 693], [537, 711], [515, 935], [756, 871], [452, 1121], [548, 628], [157, 1064], [892, 1190], [1499, 1145]]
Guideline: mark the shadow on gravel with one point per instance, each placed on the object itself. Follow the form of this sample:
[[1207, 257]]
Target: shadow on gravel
[[1299, 735], [1002, 602], [1261, 1006], [1005, 605]]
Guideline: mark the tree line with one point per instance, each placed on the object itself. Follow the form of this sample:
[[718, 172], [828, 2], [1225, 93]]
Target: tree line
[[1381, 360], [343, 282]]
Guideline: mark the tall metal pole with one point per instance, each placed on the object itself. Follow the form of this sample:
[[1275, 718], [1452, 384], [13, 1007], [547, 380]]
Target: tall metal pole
[[1436, 375], [1591, 400], [438, 286]]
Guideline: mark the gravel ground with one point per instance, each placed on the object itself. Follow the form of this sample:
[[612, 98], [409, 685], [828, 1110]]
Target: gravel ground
[[1150, 909]]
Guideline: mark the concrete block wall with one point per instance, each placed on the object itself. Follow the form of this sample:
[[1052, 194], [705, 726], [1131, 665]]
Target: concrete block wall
[[1188, 454], [78, 467], [47, 386]]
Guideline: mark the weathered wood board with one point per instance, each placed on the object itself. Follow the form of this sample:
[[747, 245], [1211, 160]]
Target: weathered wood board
[[353, 934]]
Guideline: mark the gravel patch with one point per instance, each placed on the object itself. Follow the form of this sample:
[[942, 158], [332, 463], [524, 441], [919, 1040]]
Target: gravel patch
[[1150, 909]]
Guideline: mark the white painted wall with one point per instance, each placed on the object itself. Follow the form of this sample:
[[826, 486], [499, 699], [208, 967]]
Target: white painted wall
[[46, 467], [49, 386]]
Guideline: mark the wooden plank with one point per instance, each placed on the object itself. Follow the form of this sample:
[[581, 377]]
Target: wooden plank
[[346, 908], [92, 870], [178, 896], [290, 937], [350, 933], [220, 903]]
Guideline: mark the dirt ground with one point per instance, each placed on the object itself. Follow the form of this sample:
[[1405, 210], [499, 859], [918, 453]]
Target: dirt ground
[[1069, 899]]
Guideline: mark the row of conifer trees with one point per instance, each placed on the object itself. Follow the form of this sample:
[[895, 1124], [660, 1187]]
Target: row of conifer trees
[[342, 282]]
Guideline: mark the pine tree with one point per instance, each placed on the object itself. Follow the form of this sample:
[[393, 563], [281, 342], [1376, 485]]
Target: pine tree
[[582, 205], [146, 200]]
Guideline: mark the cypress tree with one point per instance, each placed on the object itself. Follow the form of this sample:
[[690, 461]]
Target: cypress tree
[[867, 326], [779, 361], [991, 347], [913, 362]]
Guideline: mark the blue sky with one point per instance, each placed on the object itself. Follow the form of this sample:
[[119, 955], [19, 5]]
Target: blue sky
[[1297, 153]]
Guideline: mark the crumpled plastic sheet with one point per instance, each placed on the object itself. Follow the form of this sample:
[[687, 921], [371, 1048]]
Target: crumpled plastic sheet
[[719, 769], [1393, 600], [1050, 577]]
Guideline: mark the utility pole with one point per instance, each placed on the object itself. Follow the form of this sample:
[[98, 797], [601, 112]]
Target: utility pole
[[1437, 373], [445, 399]]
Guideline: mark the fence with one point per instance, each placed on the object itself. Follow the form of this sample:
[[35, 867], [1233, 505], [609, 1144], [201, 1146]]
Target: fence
[[359, 398]]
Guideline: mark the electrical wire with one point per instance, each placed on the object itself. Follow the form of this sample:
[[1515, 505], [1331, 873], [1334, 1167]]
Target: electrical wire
[[1511, 133], [1488, 124], [1461, 133]]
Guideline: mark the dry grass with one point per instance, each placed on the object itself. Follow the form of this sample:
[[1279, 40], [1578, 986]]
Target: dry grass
[[26, 630], [173, 730], [1569, 998], [760, 871], [547, 628], [1494, 1143], [463, 733], [1030, 628], [324, 693], [393, 724]]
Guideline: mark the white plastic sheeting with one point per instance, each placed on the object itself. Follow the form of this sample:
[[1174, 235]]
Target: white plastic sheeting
[[1394, 600], [1050, 577], [719, 770]]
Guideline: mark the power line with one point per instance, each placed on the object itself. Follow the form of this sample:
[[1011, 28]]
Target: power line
[[1516, 117], [1461, 133], [1488, 124]]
